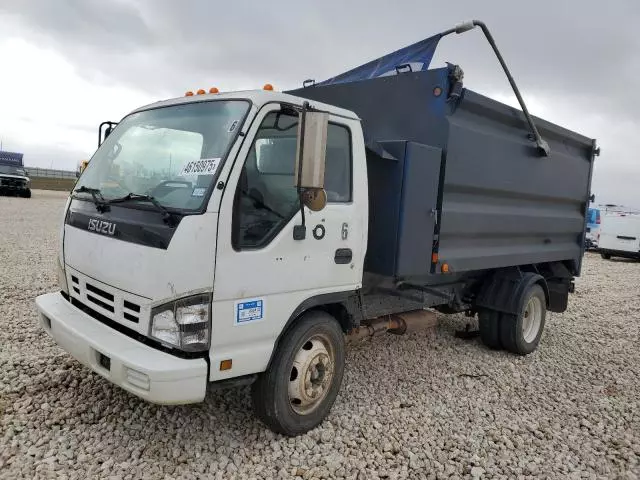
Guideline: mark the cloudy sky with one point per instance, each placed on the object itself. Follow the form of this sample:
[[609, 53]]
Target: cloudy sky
[[67, 65]]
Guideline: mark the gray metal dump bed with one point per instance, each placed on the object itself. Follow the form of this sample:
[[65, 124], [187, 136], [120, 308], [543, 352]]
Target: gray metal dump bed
[[455, 178]]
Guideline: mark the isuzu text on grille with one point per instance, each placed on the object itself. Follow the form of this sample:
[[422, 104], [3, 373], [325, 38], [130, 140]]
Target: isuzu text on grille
[[101, 226]]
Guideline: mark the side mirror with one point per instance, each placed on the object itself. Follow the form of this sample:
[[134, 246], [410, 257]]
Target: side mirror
[[311, 151], [103, 133]]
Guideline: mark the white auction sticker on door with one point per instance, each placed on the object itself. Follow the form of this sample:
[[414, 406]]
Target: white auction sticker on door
[[249, 311], [204, 166]]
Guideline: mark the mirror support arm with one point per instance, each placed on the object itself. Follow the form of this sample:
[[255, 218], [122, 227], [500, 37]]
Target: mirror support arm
[[300, 231], [104, 133]]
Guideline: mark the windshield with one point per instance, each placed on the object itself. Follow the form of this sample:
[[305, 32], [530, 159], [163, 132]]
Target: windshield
[[172, 154], [11, 170]]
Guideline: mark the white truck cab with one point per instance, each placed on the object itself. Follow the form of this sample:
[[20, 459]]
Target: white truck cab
[[163, 300]]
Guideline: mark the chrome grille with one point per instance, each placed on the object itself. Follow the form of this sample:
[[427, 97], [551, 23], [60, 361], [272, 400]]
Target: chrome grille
[[12, 182]]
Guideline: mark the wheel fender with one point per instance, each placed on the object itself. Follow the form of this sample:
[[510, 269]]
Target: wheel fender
[[504, 291], [347, 301]]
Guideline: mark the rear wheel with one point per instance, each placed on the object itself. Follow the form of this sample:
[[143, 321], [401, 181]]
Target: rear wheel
[[521, 333], [606, 256], [489, 325], [299, 388]]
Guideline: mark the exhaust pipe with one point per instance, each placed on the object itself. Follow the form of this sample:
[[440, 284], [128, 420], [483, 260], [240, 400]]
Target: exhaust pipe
[[397, 324]]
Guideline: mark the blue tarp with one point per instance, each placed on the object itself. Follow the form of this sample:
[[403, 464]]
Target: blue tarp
[[419, 53], [11, 158]]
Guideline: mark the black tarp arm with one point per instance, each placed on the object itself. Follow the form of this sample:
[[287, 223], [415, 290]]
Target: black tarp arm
[[541, 144]]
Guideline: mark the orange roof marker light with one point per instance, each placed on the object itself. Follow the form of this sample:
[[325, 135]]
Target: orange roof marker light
[[214, 90], [201, 92], [268, 86], [189, 94], [445, 268]]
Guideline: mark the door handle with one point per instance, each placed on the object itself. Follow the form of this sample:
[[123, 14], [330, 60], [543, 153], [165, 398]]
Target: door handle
[[343, 255]]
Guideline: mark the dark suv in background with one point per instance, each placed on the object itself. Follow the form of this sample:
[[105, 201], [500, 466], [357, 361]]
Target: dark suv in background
[[14, 180]]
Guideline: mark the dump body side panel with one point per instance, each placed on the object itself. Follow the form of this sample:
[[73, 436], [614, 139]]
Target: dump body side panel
[[503, 203], [499, 202]]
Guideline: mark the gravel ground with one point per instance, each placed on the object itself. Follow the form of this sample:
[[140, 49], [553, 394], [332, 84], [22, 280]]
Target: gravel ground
[[410, 406]]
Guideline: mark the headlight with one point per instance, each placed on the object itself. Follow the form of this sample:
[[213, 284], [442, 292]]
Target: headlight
[[185, 323], [62, 278]]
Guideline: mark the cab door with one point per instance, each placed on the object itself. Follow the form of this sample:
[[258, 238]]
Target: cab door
[[262, 273]]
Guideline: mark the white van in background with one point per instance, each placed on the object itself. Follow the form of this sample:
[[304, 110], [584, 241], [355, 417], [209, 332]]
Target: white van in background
[[620, 236]]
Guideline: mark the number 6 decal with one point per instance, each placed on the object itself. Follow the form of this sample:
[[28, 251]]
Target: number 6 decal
[[345, 231]]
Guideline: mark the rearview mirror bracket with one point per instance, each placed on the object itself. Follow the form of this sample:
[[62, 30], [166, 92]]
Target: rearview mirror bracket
[[310, 163]]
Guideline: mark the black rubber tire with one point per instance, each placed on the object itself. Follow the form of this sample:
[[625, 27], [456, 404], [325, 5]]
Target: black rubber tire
[[606, 256], [511, 335], [489, 326], [26, 194], [269, 393]]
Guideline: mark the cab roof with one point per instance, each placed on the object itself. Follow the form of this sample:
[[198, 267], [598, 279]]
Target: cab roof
[[257, 97]]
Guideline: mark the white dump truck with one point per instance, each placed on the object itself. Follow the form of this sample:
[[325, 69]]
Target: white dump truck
[[236, 238]]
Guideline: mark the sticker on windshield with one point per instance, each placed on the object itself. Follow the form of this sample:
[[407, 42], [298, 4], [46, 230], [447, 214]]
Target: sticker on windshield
[[198, 192], [205, 166], [249, 311]]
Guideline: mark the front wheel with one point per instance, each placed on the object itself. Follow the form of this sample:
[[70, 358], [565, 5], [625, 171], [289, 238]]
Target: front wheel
[[521, 333], [298, 389]]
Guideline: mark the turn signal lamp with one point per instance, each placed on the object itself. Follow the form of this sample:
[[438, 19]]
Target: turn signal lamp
[[445, 268], [268, 86]]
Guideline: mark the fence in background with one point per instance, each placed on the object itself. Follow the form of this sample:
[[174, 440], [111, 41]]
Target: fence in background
[[50, 173]]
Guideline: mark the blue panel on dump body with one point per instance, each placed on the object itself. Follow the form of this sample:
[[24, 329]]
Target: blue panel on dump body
[[402, 203], [417, 209], [418, 53], [499, 202]]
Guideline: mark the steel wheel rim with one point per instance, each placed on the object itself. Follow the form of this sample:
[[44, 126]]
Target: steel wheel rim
[[311, 374], [532, 319]]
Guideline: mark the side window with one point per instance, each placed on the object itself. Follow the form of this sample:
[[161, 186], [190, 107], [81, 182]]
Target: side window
[[337, 173], [266, 197]]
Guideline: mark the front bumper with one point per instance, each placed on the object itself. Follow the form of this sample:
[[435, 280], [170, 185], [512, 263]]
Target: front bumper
[[15, 189], [150, 374]]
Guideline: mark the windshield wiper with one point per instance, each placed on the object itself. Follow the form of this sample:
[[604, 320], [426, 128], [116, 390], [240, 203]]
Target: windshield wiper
[[168, 217], [96, 194]]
